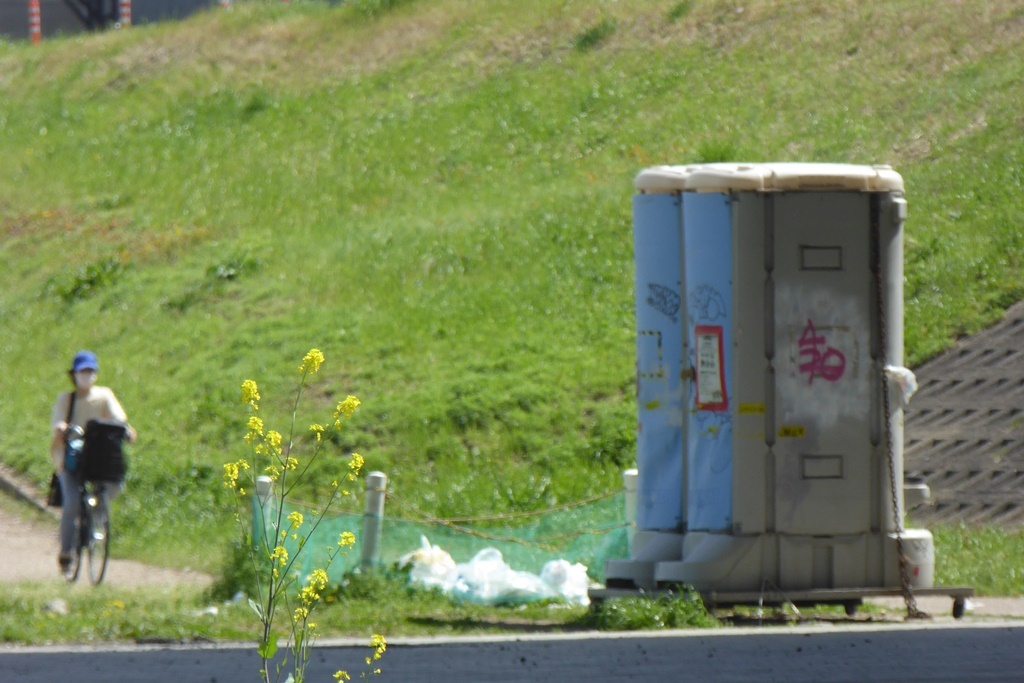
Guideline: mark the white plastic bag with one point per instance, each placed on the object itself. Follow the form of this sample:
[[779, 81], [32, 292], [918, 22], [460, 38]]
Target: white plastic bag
[[904, 379], [431, 565], [568, 580], [488, 579]]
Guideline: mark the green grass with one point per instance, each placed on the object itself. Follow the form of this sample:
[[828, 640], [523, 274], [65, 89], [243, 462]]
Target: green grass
[[683, 610], [437, 195], [986, 559], [989, 559], [385, 602], [594, 36], [38, 613]]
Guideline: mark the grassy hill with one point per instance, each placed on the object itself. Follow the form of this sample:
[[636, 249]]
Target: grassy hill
[[436, 193]]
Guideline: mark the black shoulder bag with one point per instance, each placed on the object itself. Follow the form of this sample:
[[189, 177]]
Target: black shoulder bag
[[55, 499]]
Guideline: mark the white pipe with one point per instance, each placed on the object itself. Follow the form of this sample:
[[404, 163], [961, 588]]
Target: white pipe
[[263, 505], [373, 518], [629, 478], [263, 487]]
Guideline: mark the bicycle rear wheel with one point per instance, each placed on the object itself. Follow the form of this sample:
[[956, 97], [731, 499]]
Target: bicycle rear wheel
[[98, 544]]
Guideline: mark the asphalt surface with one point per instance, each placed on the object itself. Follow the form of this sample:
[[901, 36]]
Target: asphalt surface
[[892, 654]]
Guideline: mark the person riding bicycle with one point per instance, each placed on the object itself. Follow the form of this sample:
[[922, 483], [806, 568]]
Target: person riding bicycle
[[74, 409]]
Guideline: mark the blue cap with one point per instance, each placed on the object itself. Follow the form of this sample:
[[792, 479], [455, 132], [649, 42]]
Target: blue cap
[[85, 360]]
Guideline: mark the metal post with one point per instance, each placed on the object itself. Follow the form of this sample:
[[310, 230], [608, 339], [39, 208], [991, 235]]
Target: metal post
[[124, 13], [35, 24], [373, 519]]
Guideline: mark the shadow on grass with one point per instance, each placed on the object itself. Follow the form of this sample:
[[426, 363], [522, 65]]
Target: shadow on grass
[[497, 623]]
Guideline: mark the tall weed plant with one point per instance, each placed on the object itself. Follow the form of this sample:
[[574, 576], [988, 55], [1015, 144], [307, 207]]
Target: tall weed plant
[[273, 470]]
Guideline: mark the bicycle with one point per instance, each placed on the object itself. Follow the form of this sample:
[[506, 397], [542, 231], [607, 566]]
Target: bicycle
[[93, 534], [97, 450]]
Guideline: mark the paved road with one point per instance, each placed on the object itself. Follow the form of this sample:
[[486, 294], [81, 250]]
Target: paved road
[[899, 653]]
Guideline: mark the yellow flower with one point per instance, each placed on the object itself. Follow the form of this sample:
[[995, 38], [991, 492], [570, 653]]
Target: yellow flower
[[311, 361], [317, 429], [342, 676], [318, 578], [232, 471], [272, 472], [347, 407], [230, 474], [379, 645], [250, 394], [296, 519], [255, 425], [291, 463], [354, 465], [274, 441], [300, 614], [280, 554], [347, 539]]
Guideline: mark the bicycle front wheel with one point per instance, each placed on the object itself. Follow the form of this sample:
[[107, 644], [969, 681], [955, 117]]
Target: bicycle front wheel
[[76, 566], [98, 548], [84, 534]]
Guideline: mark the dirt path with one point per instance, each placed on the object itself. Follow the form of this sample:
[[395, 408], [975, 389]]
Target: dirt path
[[31, 556], [30, 546]]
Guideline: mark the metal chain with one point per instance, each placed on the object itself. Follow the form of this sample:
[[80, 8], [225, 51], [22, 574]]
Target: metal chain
[[913, 612]]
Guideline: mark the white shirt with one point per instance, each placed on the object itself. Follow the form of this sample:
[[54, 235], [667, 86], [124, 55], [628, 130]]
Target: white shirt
[[98, 404]]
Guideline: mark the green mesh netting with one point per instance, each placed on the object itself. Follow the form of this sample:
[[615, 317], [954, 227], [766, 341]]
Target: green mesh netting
[[589, 533]]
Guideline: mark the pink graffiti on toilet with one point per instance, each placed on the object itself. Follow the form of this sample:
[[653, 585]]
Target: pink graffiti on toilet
[[821, 361]]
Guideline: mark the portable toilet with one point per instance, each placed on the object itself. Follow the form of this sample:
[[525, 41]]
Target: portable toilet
[[769, 312]]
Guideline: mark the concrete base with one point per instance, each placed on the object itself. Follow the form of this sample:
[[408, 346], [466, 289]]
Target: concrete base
[[648, 549], [725, 562], [849, 598]]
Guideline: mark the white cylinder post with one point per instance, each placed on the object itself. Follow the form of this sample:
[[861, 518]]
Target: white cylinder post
[[263, 487], [260, 497], [629, 478], [373, 518]]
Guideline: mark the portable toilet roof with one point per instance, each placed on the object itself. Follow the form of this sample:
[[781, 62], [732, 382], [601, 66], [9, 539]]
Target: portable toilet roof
[[767, 177]]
